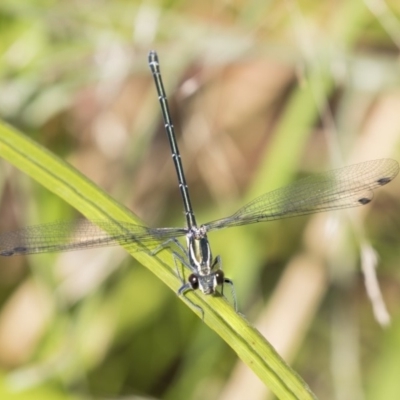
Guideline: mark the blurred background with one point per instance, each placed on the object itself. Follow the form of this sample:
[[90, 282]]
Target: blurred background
[[262, 93]]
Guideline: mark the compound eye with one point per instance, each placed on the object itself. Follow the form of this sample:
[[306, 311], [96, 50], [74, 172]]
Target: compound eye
[[193, 281], [219, 277]]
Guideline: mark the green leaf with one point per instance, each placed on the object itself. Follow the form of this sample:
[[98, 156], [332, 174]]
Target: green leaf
[[66, 182]]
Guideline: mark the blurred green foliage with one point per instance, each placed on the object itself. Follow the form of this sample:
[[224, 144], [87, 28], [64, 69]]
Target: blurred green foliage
[[261, 94]]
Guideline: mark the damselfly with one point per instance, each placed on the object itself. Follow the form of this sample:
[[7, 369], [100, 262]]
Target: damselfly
[[341, 188]]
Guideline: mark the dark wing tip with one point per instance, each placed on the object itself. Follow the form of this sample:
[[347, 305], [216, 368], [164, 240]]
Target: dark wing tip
[[364, 200], [384, 181], [14, 251]]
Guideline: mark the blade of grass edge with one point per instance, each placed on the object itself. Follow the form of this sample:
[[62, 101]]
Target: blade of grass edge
[[66, 182]]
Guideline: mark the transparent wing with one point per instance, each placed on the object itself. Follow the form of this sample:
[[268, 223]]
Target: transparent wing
[[342, 188], [81, 234], [346, 187]]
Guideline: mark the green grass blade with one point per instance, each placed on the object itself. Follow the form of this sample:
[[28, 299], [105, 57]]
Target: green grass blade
[[66, 182]]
